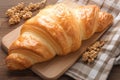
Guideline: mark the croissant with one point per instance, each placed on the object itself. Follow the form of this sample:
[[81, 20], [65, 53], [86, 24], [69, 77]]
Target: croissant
[[55, 30]]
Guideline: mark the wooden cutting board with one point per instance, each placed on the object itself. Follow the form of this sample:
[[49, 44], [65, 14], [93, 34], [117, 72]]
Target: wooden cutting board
[[56, 67]]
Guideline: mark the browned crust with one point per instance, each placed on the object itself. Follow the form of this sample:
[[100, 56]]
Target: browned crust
[[62, 34]]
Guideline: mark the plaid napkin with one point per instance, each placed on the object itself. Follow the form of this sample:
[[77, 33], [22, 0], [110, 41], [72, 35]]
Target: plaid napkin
[[109, 54]]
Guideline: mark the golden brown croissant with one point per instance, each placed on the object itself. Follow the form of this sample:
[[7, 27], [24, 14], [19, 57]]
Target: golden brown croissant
[[55, 30]]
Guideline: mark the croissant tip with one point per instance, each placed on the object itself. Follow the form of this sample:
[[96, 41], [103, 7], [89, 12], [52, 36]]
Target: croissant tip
[[14, 63]]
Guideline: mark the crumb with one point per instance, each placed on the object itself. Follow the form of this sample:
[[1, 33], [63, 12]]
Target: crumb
[[20, 11], [36, 6], [14, 19], [91, 53], [10, 12], [27, 15]]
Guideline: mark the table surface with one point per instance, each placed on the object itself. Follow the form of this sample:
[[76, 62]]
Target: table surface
[[5, 28]]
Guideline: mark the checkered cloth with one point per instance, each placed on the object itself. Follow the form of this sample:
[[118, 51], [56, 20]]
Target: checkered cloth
[[109, 54]]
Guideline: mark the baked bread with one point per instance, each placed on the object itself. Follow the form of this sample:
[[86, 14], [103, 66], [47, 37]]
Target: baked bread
[[55, 30]]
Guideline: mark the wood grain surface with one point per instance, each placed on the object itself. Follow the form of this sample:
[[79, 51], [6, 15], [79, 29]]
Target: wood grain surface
[[5, 28]]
